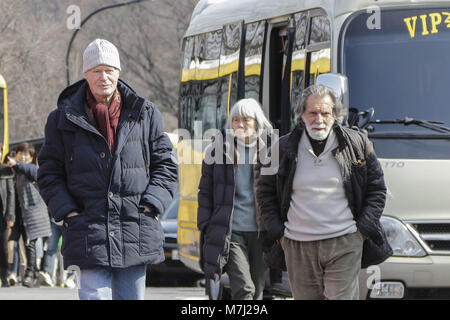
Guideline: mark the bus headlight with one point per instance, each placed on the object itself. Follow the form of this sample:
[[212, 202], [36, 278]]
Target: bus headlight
[[401, 240]]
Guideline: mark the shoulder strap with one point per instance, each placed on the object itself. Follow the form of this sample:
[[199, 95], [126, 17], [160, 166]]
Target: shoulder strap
[[357, 144]]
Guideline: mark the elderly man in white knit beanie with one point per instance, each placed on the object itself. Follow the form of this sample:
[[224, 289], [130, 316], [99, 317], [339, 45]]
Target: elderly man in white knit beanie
[[106, 171]]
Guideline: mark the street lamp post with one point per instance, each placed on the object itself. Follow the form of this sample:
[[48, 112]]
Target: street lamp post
[[83, 22]]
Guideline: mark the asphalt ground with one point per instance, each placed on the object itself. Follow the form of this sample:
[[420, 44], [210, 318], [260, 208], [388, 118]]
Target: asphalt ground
[[58, 293]]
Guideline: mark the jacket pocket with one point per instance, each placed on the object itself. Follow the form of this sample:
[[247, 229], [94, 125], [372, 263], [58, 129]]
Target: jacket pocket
[[151, 235], [74, 242]]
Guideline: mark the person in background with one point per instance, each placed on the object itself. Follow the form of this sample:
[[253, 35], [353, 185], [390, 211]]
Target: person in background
[[46, 275], [7, 218], [32, 219], [16, 247], [228, 218]]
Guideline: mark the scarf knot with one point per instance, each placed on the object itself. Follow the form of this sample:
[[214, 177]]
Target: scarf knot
[[107, 119]]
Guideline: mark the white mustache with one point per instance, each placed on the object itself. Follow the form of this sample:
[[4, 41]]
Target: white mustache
[[318, 126]]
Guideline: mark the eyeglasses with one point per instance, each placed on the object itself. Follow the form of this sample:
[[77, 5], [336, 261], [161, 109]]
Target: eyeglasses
[[245, 120]]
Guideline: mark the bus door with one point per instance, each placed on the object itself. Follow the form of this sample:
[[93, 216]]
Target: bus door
[[280, 49], [298, 51]]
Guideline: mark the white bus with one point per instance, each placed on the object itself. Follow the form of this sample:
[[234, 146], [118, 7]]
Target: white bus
[[395, 55]]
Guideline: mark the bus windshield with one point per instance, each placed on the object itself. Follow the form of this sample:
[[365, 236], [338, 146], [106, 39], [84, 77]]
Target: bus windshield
[[400, 66]]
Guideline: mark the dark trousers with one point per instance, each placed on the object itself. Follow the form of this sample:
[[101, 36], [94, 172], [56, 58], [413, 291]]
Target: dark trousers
[[3, 248], [30, 246], [246, 266]]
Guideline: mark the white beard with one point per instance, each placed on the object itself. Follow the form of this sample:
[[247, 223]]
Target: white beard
[[318, 134]]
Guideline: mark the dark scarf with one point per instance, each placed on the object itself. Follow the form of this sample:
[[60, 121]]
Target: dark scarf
[[317, 145], [106, 118]]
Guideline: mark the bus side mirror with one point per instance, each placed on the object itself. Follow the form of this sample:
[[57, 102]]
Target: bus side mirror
[[338, 83]]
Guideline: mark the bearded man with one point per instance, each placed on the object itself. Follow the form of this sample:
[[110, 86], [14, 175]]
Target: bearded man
[[323, 204]]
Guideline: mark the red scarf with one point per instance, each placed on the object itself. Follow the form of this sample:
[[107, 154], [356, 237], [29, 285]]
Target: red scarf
[[106, 118]]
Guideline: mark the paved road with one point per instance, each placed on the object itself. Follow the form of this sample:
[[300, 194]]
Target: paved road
[[46, 293]]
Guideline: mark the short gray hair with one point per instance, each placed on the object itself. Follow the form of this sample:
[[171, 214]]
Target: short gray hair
[[319, 90], [249, 108]]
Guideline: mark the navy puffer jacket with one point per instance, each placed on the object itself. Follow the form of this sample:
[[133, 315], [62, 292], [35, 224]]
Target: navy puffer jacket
[[78, 173]]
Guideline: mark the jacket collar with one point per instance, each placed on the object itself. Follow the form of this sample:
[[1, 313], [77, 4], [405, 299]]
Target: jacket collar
[[291, 148], [231, 150], [72, 101], [293, 141]]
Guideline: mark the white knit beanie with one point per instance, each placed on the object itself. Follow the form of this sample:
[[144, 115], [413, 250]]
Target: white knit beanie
[[100, 52]]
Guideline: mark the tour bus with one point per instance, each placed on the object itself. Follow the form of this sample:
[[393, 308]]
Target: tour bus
[[391, 56], [3, 118]]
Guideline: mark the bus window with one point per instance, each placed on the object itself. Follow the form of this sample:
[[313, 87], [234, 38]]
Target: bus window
[[319, 47], [231, 44], [298, 61], [205, 110], [233, 89], [320, 30], [199, 88], [287, 78], [252, 84], [300, 30], [277, 40], [229, 64], [207, 53], [254, 41], [188, 69], [228, 97], [185, 103], [297, 88], [222, 111], [186, 91], [319, 63]]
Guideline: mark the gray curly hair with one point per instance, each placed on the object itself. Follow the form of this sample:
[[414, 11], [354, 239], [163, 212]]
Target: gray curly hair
[[339, 112], [251, 108]]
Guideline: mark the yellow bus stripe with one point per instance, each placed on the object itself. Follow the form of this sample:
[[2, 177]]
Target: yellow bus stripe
[[214, 73], [229, 96], [182, 253], [188, 225]]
